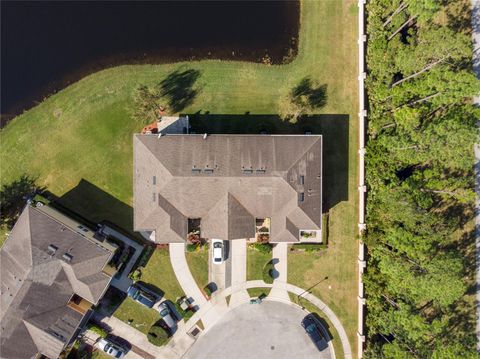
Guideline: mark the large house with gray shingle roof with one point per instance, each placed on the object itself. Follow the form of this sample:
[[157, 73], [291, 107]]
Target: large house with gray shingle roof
[[228, 183], [52, 270]]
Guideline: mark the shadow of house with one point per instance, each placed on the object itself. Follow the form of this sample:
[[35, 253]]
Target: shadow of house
[[92, 205], [333, 127]]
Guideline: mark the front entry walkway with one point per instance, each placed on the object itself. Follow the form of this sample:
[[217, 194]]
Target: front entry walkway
[[183, 274], [279, 257]]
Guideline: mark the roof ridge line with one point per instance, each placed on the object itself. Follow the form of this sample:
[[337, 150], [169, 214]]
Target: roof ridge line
[[308, 149]]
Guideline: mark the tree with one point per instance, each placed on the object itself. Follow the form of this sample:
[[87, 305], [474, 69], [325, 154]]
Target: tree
[[303, 98], [148, 104], [419, 174], [13, 197], [157, 335]]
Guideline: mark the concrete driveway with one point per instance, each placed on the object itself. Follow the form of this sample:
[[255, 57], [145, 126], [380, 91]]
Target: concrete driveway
[[218, 273], [267, 330]]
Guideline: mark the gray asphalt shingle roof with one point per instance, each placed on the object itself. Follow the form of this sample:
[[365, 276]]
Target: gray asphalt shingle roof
[[36, 284], [227, 181]]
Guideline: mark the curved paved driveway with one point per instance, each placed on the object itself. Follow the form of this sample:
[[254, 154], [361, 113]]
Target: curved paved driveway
[[268, 330]]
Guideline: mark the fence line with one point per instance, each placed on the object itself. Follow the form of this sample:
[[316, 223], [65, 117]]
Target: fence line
[[362, 189]]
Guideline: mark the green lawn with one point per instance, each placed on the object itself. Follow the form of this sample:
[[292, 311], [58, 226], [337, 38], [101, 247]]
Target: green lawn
[[141, 317], [256, 260], [256, 292], [339, 291], [159, 276], [198, 264], [84, 155], [159, 273]]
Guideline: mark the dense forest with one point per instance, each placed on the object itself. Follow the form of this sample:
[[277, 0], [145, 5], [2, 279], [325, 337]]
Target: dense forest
[[420, 175]]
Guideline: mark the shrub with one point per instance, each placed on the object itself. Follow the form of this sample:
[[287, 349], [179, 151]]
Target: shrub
[[262, 247], [268, 272], [309, 247], [97, 329], [208, 291], [136, 275], [157, 335], [147, 253], [192, 247]]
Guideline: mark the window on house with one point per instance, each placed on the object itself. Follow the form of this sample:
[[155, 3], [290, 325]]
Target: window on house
[[260, 171], [247, 171], [196, 170], [208, 171]]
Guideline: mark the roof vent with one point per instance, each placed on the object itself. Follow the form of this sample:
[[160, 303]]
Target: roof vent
[[52, 249], [67, 257]]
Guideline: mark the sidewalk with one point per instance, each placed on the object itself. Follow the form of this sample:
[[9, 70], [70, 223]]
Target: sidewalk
[[182, 272], [136, 338], [279, 256]]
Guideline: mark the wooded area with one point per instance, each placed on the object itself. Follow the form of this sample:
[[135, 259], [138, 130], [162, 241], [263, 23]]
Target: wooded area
[[420, 175]]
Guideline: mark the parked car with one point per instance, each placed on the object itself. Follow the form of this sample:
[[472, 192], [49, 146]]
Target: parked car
[[314, 330], [167, 315], [217, 251], [112, 349], [141, 295]]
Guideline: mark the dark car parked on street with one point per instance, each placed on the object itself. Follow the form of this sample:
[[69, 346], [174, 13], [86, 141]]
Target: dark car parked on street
[[140, 295], [314, 330]]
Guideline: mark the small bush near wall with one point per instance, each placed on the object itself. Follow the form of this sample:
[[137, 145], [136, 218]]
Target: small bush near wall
[[308, 247], [157, 335], [192, 247], [268, 272], [145, 256], [262, 247], [97, 329]]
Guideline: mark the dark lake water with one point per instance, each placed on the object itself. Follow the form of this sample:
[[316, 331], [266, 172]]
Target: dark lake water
[[46, 45]]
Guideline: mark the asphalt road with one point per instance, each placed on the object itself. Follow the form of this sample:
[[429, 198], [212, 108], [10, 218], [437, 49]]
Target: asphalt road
[[267, 330]]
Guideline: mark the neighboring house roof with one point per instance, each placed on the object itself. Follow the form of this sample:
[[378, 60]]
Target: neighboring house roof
[[227, 181], [37, 284]]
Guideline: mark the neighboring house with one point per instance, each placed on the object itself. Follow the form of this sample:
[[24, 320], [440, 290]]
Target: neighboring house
[[228, 184], [52, 270]]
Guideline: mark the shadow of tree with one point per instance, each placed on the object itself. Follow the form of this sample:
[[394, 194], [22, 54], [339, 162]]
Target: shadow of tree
[[307, 95], [13, 197], [177, 89]]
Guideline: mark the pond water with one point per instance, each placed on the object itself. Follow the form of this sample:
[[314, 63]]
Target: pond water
[[46, 45]]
